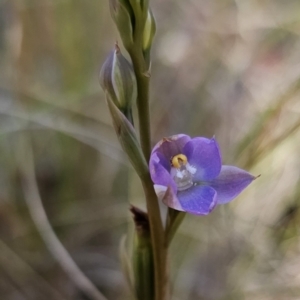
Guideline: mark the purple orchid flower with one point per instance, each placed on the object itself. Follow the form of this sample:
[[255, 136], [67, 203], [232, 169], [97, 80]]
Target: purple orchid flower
[[188, 174]]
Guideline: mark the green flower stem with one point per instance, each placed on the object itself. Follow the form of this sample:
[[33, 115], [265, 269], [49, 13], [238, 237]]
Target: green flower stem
[[174, 220], [143, 79], [157, 239], [156, 226]]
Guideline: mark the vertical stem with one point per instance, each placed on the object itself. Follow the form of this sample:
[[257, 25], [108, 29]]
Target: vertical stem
[[174, 219], [157, 239], [156, 226], [143, 79]]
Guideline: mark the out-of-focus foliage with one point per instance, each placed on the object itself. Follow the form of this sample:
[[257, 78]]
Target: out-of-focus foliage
[[224, 68]]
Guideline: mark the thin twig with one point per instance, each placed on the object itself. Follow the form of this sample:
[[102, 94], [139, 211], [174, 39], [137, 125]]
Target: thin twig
[[90, 136], [19, 267], [38, 214]]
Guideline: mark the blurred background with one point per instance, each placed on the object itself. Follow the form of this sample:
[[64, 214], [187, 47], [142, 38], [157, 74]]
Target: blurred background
[[224, 68]]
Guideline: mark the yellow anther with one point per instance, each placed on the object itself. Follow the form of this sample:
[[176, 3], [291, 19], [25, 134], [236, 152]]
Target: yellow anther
[[179, 160]]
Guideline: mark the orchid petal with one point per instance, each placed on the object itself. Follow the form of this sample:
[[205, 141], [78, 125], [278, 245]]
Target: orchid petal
[[171, 146], [160, 175], [160, 191], [170, 199], [230, 183], [204, 155], [198, 200]]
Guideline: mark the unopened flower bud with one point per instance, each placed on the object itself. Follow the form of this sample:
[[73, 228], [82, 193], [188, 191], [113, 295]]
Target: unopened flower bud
[[122, 14], [118, 80], [149, 31]]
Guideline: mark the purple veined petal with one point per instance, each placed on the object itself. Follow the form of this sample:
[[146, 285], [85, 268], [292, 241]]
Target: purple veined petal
[[204, 155], [170, 199], [171, 145], [230, 183], [198, 200], [159, 174]]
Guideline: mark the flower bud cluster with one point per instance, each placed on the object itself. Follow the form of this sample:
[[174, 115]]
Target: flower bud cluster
[[134, 21]]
